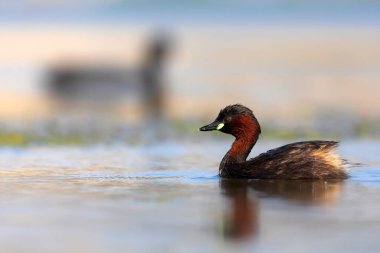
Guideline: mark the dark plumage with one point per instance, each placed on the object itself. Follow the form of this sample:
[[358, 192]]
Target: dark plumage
[[300, 160]]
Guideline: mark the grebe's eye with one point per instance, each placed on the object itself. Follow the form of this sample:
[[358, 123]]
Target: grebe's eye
[[228, 119]]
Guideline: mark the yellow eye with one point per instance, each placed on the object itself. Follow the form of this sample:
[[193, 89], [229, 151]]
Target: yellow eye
[[220, 126]]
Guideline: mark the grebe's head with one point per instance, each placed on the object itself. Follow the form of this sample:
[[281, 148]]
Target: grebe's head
[[236, 120]]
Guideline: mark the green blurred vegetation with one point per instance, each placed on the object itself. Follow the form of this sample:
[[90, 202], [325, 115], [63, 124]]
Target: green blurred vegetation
[[23, 139], [172, 130]]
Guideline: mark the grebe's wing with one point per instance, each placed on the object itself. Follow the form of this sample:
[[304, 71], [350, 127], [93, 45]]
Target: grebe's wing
[[307, 159]]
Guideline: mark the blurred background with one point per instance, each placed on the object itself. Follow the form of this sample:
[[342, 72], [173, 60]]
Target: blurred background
[[111, 70], [101, 102]]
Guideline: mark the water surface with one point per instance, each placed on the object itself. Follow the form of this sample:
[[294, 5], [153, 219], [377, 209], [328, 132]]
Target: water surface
[[166, 197]]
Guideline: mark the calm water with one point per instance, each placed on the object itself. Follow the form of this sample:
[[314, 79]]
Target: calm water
[[167, 198]]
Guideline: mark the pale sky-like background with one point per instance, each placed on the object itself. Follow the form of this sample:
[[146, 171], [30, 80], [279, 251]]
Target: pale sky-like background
[[290, 60]]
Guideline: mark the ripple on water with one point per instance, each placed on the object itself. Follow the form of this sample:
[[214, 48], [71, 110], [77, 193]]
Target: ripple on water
[[111, 198]]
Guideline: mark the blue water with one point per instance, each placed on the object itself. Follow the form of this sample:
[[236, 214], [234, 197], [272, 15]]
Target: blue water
[[167, 197], [194, 12]]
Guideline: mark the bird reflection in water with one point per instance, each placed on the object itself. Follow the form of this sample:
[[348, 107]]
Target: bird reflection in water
[[241, 217], [240, 220], [317, 192]]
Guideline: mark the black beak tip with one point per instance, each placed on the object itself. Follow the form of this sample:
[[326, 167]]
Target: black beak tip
[[209, 127], [203, 129]]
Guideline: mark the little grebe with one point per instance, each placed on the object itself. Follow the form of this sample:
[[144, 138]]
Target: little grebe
[[300, 160]]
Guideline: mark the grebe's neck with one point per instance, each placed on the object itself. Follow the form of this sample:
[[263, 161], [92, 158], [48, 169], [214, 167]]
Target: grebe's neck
[[246, 131]]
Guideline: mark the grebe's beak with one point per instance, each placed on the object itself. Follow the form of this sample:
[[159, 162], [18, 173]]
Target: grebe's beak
[[216, 125]]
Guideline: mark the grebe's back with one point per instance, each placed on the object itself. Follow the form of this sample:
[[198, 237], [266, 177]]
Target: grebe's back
[[300, 160]]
